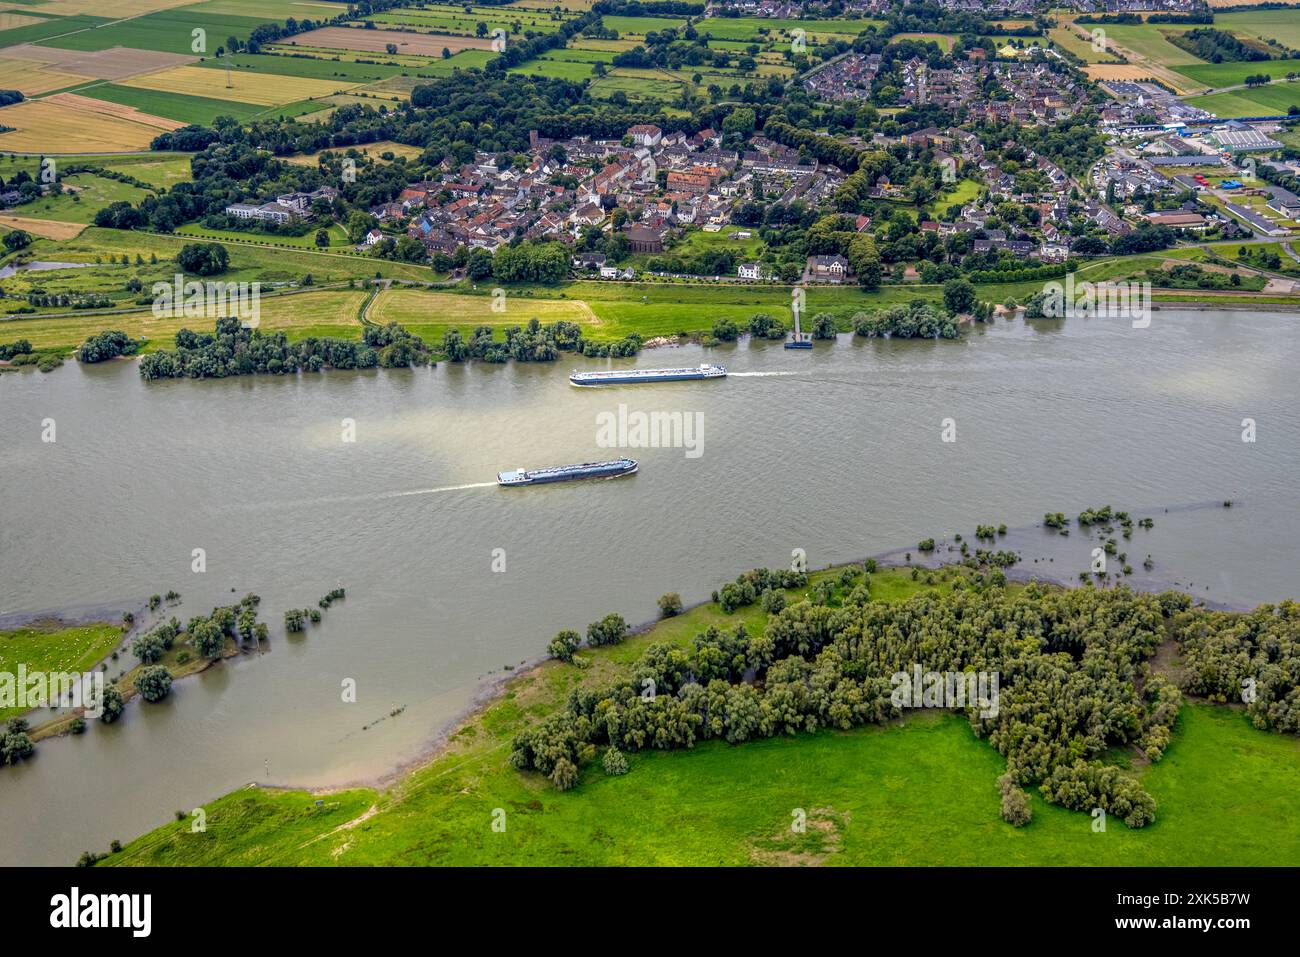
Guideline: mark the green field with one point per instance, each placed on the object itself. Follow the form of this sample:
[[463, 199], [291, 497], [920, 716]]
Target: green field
[[302, 66], [54, 26], [181, 107], [753, 28], [169, 31], [1220, 75], [1272, 100], [640, 26], [50, 646], [338, 236], [455, 21], [159, 169], [1150, 40], [919, 792], [1280, 25], [963, 191]]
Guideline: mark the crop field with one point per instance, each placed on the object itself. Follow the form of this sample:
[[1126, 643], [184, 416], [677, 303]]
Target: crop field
[[1150, 41], [111, 64], [555, 69], [1071, 41], [54, 26], [1273, 100], [120, 8], [1219, 75], [40, 125], [264, 9], [376, 150], [297, 64], [376, 41], [45, 228], [635, 87], [1280, 25], [170, 31], [455, 20], [173, 106], [31, 77], [262, 88]]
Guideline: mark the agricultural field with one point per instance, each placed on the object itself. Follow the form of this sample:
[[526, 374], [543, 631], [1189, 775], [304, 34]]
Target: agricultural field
[[44, 126], [47, 27], [169, 31], [943, 41], [376, 150], [1276, 99], [377, 41], [455, 20], [298, 65], [180, 107], [262, 89], [1071, 41], [1220, 75], [329, 312], [1280, 25]]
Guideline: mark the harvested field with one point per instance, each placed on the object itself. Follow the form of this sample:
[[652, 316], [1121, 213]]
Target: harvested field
[[31, 77], [119, 9], [264, 89], [116, 110], [111, 64], [369, 149], [376, 41], [1117, 71], [11, 21], [47, 228], [42, 126]]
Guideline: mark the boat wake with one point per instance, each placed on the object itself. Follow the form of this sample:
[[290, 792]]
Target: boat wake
[[440, 488], [756, 375]]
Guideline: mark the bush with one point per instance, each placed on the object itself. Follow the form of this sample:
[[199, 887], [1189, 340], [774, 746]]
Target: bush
[[610, 630], [107, 345], [113, 706], [564, 644], [203, 259], [670, 604], [614, 762], [148, 647]]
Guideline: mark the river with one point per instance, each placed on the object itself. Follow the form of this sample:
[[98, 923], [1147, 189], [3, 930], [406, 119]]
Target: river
[[839, 452]]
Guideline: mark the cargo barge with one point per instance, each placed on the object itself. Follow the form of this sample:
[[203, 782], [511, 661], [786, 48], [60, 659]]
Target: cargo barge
[[567, 473], [625, 376]]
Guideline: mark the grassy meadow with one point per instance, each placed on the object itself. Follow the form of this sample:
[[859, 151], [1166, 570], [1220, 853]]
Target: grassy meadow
[[918, 792], [53, 646]]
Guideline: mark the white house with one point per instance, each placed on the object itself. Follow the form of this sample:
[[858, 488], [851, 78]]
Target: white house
[[750, 271]]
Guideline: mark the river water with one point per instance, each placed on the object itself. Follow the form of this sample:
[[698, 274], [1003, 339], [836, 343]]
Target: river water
[[838, 452]]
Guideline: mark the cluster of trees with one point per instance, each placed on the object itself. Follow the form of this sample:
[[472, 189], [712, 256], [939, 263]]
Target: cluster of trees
[[234, 350], [532, 343], [917, 320], [1074, 682], [546, 262], [20, 347], [1216, 46], [1251, 658], [107, 345]]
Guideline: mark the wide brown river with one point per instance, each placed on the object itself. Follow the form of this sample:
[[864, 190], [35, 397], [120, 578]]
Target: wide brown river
[[838, 452]]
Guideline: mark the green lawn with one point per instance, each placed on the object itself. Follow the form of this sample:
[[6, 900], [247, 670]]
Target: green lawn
[[158, 169], [50, 647], [962, 192], [921, 792], [338, 236]]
